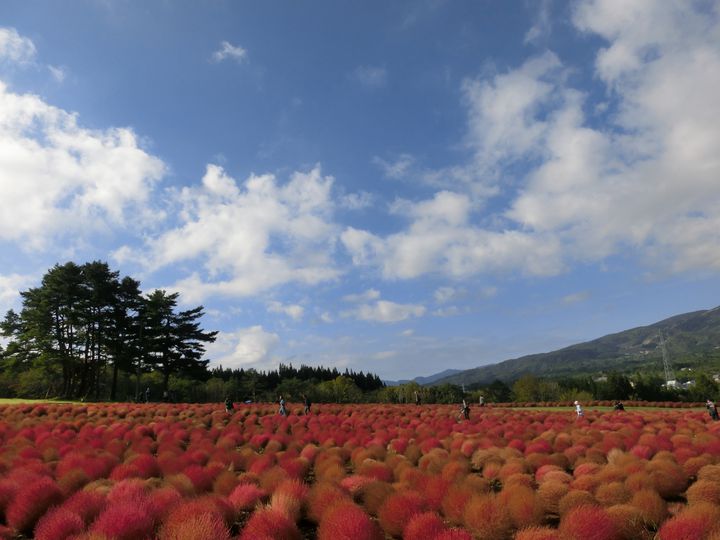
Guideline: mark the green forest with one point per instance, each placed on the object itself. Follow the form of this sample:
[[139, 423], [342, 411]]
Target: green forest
[[85, 333]]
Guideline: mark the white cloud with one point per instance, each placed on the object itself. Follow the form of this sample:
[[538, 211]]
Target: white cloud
[[397, 169], [356, 201], [450, 311], [10, 287], [294, 311], [227, 51], [245, 348], [576, 297], [16, 48], [371, 77], [58, 73], [407, 333], [57, 178], [248, 238], [384, 311], [543, 23], [574, 192], [444, 294], [370, 294]]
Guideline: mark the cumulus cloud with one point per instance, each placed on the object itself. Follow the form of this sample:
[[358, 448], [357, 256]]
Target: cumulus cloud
[[57, 177], [245, 348], [372, 77], [370, 307], [294, 311], [572, 191], [247, 237], [15, 48], [370, 294], [10, 287], [356, 201], [228, 51]]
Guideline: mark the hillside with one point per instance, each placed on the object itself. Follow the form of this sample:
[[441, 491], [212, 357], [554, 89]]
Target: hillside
[[692, 339]]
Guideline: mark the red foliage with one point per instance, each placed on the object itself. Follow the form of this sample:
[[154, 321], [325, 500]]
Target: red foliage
[[31, 502], [397, 510], [268, 523], [322, 497], [423, 526], [246, 497], [487, 518], [86, 504], [195, 526], [537, 533], [588, 523], [58, 524], [125, 520], [454, 534], [453, 505], [347, 521]]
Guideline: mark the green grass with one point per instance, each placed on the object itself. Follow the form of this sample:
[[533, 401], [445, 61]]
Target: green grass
[[20, 401], [601, 408]]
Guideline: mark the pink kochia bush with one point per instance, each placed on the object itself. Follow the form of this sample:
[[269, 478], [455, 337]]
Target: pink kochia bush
[[182, 471], [58, 524], [347, 521], [31, 502]]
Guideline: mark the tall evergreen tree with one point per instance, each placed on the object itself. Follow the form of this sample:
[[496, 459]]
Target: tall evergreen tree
[[173, 341]]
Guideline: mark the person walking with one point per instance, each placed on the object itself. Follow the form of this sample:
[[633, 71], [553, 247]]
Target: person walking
[[229, 407], [417, 398], [712, 409], [464, 410], [481, 401], [147, 395], [282, 411], [307, 404], [579, 410]]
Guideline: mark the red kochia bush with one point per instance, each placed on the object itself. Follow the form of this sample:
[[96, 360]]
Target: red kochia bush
[[125, 520], [269, 523], [347, 521], [454, 534], [423, 526], [397, 510], [195, 526], [588, 523], [31, 502], [487, 518], [58, 524], [86, 504], [245, 497], [537, 533]]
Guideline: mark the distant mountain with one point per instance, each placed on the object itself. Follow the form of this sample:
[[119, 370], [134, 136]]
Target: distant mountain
[[425, 380], [691, 339]]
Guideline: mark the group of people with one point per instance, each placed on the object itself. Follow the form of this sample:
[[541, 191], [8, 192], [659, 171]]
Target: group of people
[[282, 411], [617, 406], [464, 409]]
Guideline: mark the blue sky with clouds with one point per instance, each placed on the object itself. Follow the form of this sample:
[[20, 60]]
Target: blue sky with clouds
[[399, 187]]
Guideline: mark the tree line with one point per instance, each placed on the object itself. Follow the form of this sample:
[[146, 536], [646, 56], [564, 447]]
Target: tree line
[[87, 333], [84, 327]]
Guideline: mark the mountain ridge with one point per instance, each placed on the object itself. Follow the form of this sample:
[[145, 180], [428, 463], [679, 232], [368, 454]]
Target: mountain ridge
[[690, 338]]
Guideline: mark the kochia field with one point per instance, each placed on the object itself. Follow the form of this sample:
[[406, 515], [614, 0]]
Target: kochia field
[[356, 472]]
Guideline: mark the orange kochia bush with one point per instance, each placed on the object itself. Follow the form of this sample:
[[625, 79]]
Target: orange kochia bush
[[356, 471]]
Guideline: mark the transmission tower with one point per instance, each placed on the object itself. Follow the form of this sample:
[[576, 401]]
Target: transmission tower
[[666, 361]]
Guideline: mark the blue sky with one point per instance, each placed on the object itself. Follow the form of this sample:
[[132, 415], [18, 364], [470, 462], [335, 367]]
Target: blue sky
[[396, 187]]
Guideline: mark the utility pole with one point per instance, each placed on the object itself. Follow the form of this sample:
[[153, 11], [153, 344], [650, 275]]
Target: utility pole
[[666, 361]]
